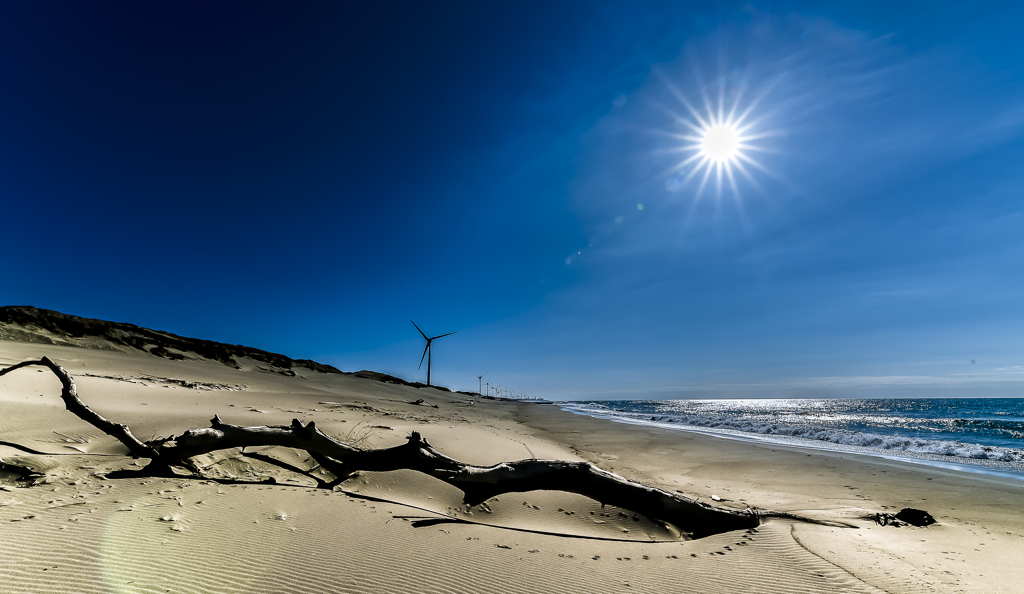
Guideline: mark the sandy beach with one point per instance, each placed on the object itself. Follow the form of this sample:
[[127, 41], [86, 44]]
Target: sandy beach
[[81, 526]]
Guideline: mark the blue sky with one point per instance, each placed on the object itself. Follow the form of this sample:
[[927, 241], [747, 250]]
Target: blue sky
[[307, 179]]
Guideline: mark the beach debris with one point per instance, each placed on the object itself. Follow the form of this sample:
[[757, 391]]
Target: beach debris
[[78, 439], [915, 517], [69, 504], [907, 515], [422, 402]]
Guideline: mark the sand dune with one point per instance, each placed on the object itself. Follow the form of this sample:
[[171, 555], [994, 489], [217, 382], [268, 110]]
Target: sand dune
[[89, 525]]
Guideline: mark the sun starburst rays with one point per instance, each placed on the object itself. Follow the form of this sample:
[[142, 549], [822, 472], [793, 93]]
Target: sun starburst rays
[[716, 144], [719, 147]]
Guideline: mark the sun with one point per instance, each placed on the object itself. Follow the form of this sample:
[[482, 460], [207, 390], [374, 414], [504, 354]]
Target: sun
[[717, 140], [720, 143]]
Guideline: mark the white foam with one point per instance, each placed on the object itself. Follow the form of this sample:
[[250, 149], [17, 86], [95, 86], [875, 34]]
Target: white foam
[[843, 437]]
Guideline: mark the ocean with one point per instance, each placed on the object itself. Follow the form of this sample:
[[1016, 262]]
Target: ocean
[[984, 435]]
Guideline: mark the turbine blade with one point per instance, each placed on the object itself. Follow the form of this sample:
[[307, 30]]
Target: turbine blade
[[425, 349], [421, 332], [443, 335]]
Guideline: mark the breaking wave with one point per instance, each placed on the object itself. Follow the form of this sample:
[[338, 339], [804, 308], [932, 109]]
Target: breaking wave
[[834, 427]]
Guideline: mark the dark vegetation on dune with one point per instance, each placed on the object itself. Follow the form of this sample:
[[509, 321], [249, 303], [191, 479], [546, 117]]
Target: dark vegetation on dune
[[31, 324]]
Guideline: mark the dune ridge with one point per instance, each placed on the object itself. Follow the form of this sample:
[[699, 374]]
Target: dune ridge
[[45, 326], [25, 323]]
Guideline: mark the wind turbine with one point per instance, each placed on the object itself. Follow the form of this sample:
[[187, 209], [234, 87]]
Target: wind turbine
[[426, 349], [480, 379]]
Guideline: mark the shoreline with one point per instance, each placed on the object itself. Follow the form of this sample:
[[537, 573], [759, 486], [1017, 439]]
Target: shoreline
[[989, 467], [847, 485]]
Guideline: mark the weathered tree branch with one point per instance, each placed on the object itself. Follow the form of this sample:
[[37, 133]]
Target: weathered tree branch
[[69, 394], [478, 483]]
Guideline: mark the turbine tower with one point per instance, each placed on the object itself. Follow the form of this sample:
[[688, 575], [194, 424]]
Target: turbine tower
[[426, 349], [480, 380]]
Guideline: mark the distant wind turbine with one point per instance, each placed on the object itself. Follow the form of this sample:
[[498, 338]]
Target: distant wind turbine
[[480, 379], [426, 349]]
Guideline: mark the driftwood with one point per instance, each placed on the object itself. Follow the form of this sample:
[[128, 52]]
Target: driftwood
[[907, 515], [479, 483], [69, 394]]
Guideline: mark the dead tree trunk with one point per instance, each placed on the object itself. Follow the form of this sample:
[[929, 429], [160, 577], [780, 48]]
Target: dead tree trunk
[[478, 483]]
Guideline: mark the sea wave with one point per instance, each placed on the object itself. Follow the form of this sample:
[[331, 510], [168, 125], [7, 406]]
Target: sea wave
[[891, 443]]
